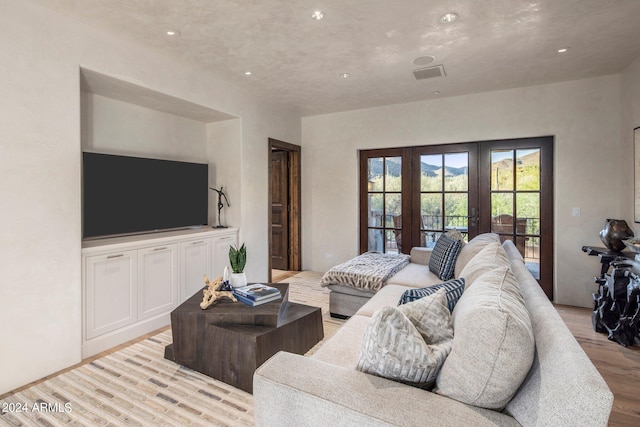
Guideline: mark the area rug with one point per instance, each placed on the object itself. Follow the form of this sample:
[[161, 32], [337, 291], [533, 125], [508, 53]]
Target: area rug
[[136, 386]]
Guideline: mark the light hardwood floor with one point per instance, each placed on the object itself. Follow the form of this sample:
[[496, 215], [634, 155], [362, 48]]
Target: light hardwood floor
[[619, 366]]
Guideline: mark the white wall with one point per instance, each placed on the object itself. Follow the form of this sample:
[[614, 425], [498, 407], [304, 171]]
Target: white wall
[[583, 115], [117, 127], [226, 162], [630, 89], [40, 172]]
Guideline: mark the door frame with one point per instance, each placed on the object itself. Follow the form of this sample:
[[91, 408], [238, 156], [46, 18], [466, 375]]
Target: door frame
[[295, 203], [546, 143]]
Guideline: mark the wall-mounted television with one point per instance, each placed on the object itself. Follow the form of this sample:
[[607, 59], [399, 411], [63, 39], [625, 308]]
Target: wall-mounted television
[[129, 195]]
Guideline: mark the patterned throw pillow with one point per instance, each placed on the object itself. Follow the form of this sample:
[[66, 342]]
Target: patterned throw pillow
[[443, 258], [453, 288], [408, 344]]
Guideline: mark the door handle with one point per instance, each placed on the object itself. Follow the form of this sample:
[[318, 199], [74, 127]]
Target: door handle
[[474, 217]]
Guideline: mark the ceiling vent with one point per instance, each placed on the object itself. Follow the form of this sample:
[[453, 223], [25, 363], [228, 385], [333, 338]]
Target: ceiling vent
[[429, 72]]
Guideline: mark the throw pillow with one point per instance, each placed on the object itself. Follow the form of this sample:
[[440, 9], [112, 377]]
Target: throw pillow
[[394, 348], [490, 257], [453, 289], [430, 318], [472, 248], [443, 258], [455, 234], [493, 345]]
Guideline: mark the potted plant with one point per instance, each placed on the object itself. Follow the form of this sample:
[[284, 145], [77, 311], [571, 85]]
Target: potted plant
[[238, 259]]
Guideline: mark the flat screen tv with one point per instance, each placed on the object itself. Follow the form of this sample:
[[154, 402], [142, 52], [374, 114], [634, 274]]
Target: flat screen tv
[[129, 195]]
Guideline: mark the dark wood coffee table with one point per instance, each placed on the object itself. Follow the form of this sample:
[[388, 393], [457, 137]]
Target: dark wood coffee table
[[229, 341]]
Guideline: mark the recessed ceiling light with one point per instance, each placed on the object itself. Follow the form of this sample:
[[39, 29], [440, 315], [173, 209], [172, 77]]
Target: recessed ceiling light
[[448, 18], [317, 15], [436, 92], [563, 49], [247, 73], [172, 32], [424, 60], [345, 75]]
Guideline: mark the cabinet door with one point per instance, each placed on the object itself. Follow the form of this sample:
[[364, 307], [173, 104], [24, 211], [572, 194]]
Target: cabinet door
[[220, 260], [195, 262], [111, 298], [157, 280]]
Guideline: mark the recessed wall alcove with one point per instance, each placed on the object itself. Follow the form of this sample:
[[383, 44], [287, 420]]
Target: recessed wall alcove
[[123, 118]]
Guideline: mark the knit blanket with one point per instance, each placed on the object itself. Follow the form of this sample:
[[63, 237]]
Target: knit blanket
[[369, 271]]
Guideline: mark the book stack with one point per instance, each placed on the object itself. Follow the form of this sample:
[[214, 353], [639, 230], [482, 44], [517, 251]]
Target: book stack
[[257, 294]]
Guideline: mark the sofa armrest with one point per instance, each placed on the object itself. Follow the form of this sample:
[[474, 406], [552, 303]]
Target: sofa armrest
[[421, 255], [294, 390]]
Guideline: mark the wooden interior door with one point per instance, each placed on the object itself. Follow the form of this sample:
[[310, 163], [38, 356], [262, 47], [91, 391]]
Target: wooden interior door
[[280, 210]]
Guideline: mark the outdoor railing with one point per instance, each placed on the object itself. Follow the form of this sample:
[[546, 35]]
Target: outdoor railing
[[527, 231]]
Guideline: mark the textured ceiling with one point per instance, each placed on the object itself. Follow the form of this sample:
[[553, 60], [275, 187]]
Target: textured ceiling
[[297, 61]]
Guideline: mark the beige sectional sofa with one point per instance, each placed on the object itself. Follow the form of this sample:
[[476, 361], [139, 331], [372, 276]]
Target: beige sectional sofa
[[345, 301], [561, 387]]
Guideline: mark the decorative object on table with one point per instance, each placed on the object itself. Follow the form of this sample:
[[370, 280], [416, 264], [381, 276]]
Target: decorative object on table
[[252, 303], [212, 294], [258, 292], [616, 310], [238, 259], [226, 286], [614, 232], [221, 195], [633, 244]]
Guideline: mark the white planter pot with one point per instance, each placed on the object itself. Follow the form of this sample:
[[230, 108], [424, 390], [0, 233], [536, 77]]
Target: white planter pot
[[238, 280]]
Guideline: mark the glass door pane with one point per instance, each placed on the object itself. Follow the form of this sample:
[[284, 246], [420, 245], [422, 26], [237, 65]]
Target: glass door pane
[[515, 201], [444, 195], [384, 201]]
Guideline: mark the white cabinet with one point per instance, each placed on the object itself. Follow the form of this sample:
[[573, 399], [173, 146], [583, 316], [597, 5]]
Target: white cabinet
[[157, 280], [221, 245], [195, 259], [203, 256], [131, 284], [111, 296]]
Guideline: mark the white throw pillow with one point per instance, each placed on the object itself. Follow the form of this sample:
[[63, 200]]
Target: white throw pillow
[[410, 343]]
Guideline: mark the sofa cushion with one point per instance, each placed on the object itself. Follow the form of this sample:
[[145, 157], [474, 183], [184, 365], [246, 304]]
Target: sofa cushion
[[415, 276], [443, 258], [455, 234], [472, 248], [493, 345], [386, 297], [343, 347], [490, 257], [453, 289], [394, 348]]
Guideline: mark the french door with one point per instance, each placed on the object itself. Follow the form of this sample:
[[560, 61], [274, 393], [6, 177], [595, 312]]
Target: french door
[[410, 196]]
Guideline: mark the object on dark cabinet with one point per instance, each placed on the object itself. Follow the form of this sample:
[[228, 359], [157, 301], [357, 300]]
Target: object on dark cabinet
[[614, 232], [616, 309]]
